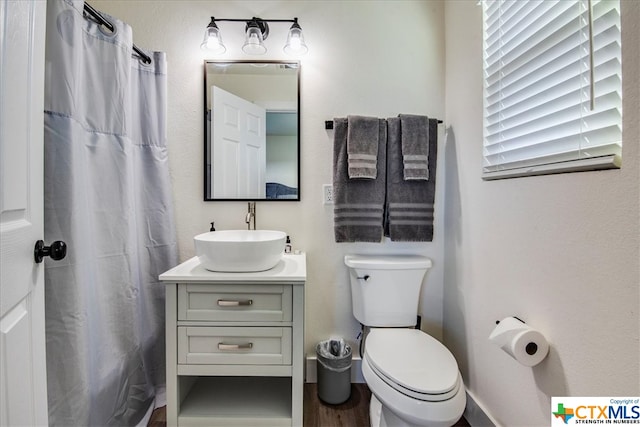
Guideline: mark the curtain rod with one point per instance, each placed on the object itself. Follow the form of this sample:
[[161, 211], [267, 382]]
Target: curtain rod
[[328, 124], [102, 21]]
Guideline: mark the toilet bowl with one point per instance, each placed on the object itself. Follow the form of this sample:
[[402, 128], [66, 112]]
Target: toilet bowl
[[414, 380]]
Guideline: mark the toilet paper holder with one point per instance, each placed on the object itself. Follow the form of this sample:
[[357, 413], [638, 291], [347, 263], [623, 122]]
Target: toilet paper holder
[[531, 348], [515, 317], [522, 343]]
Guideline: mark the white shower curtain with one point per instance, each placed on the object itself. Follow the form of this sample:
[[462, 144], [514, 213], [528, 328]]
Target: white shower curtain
[[107, 195]]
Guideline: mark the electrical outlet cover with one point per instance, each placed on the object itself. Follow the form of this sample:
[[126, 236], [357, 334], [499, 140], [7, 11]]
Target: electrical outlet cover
[[327, 194]]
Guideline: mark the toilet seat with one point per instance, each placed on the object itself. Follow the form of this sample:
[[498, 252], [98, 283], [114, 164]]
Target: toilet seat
[[413, 363]]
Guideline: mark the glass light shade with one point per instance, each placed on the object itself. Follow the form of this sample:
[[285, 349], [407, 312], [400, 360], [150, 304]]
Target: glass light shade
[[295, 42], [253, 44], [213, 41]]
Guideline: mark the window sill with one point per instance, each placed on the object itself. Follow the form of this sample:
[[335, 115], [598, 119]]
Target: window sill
[[595, 163]]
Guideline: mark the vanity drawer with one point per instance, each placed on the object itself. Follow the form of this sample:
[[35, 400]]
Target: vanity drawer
[[200, 345], [235, 303]]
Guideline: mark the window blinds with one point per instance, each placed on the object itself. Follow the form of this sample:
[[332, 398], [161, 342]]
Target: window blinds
[[552, 86]]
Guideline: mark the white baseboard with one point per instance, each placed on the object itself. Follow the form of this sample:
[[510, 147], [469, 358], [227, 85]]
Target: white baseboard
[[311, 375], [476, 415]]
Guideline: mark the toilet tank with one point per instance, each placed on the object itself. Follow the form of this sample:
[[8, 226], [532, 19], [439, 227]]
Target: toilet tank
[[385, 290]]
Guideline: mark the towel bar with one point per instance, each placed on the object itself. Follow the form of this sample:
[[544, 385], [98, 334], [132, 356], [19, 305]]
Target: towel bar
[[328, 124]]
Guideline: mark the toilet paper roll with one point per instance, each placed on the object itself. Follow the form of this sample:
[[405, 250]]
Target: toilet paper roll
[[523, 343]]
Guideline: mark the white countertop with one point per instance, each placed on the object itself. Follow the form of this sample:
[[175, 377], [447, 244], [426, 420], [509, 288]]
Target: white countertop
[[291, 268]]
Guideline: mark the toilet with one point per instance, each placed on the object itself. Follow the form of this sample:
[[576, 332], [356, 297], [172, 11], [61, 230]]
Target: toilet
[[413, 378]]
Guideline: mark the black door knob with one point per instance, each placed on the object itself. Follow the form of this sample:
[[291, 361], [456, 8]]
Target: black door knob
[[56, 251]]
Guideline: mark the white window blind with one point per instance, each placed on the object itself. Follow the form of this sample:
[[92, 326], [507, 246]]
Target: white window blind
[[552, 86]]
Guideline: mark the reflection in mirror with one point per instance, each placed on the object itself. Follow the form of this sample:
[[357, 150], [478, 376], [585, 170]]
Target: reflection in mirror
[[252, 138]]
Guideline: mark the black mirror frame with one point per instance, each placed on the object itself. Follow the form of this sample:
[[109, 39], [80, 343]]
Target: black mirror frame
[[206, 197]]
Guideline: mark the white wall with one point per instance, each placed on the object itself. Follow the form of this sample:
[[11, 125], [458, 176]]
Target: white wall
[[561, 252], [264, 90], [376, 58], [282, 157]]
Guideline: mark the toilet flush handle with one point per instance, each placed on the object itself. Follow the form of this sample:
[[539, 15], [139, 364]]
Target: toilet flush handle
[[366, 278]]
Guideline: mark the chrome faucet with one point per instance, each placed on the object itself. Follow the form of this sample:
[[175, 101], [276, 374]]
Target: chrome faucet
[[250, 219]]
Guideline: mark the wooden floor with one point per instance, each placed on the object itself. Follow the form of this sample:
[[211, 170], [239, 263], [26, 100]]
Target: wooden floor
[[353, 413]]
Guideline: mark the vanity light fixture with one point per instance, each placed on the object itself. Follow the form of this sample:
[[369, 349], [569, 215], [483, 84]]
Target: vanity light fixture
[[256, 31], [212, 39], [295, 40]]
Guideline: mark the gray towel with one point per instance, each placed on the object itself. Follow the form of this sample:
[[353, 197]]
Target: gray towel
[[415, 146], [362, 146], [409, 206], [358, 203]]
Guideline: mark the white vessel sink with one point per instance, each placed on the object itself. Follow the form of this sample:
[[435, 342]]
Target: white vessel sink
[[238, 251]]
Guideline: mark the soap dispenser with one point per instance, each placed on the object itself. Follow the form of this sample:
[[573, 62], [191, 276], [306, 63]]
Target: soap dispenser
[[287, 246], [212, 227]]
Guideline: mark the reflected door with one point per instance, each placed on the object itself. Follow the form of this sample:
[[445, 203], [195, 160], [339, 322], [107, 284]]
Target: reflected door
[[238, 147]]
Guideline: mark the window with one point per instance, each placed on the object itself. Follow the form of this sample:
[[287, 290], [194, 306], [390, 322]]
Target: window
[[552, 86]]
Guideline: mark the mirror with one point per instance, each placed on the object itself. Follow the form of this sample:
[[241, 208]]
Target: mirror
[[252, 130]]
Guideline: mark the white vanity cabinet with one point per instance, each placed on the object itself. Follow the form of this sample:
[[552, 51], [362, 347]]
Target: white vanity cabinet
[[235, 345]]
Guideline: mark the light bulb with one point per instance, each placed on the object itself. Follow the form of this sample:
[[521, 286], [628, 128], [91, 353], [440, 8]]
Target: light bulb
[[213, 40], [253, 43], [295, 41]]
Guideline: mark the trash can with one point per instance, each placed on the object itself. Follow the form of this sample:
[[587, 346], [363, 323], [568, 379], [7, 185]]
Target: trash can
[[334, 371]]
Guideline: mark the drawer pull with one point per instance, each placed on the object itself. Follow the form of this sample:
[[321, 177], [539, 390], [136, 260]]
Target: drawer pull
[[229, 347], [234, 303]]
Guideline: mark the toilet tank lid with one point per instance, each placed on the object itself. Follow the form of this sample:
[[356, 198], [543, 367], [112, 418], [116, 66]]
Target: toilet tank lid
[[387, 262]]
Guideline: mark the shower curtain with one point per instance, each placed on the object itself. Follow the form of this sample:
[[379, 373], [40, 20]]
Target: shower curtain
[[107, 195]]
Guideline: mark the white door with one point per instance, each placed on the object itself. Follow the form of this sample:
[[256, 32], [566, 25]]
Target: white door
[[23, 379], [238, 146]]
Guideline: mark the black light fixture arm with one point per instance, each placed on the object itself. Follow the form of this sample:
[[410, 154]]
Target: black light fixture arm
[[213, 19], [256, 22], [256, 30]]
